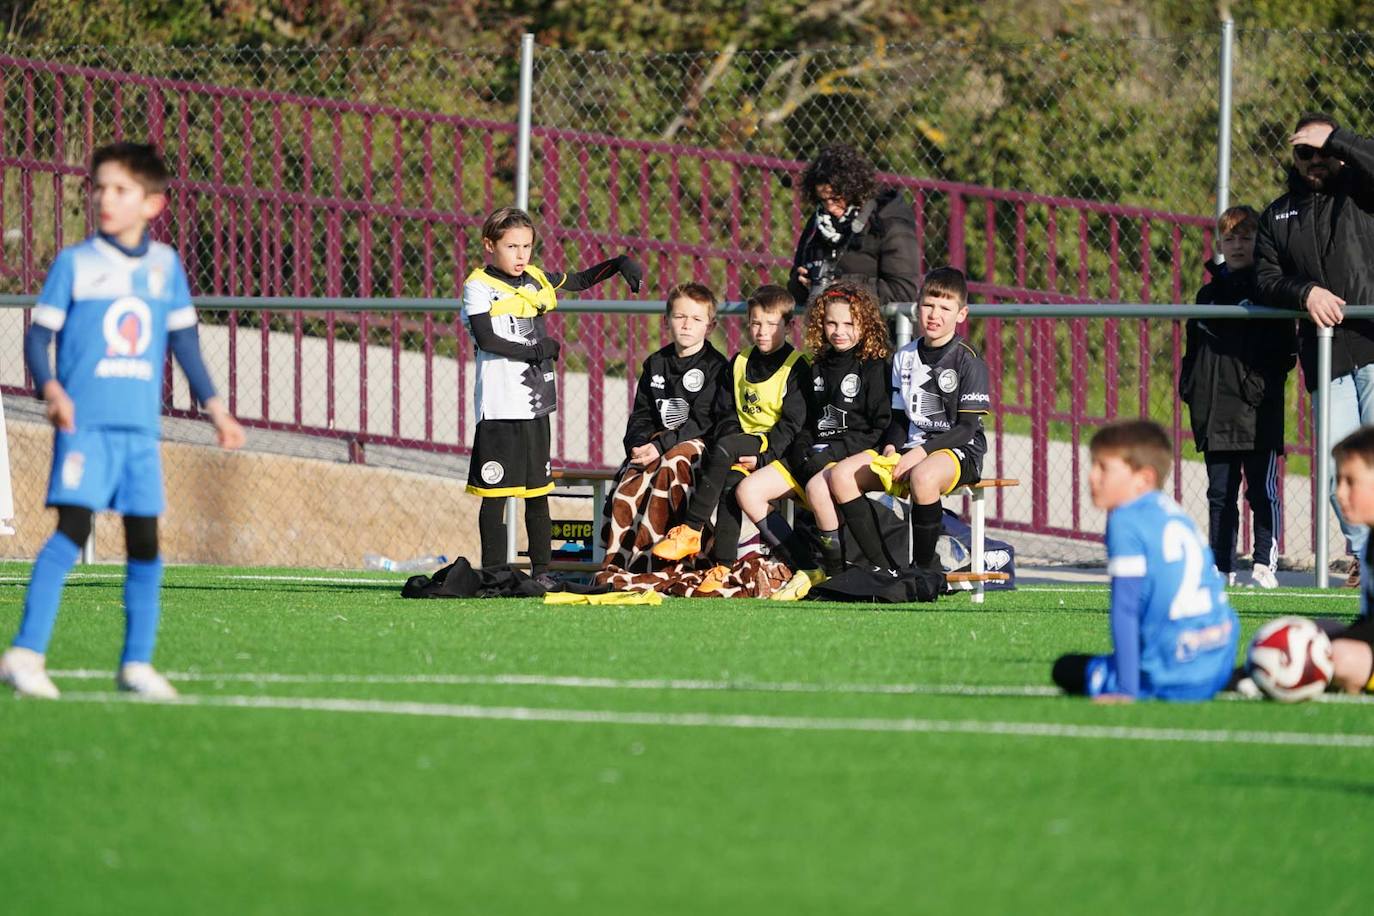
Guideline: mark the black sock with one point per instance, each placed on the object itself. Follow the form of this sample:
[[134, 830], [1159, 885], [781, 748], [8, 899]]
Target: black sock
[[832, 552], [863, 532], [788, 546], [491, 526], [539, 533], [926, 522], [725, 546]]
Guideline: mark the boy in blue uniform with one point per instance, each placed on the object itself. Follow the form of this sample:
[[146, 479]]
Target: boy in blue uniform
[[1174, 635], [116, 303]]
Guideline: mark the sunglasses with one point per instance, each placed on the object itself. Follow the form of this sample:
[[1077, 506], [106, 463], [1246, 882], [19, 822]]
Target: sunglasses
[[1306, 153]]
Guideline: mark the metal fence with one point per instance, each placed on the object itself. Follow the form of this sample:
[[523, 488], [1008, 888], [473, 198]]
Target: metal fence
[[1060, 171]]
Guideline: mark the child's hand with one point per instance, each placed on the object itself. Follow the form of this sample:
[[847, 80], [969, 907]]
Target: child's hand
[[548, 348], [229, 431], [889, 450], [1113, 699], [803, 277], [909, 461], [632, 272], [61, 411], [644, 455], [748, 462]]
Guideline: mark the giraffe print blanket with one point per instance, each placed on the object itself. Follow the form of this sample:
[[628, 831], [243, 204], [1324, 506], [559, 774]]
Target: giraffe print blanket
[[643, 506]]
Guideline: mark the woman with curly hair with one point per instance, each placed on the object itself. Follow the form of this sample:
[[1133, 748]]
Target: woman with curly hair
[[849, 409], [858, 232]]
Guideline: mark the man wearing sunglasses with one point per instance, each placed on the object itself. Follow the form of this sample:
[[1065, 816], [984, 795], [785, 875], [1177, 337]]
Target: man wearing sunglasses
[[1315, 251]]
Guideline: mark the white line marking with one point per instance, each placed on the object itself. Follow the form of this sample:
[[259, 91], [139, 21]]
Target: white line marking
[[336, 579], [610, 683], [772, 723], [604, 683], [1230, 592]]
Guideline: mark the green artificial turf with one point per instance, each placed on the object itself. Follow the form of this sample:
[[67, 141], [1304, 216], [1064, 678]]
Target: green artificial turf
[[359, 753]]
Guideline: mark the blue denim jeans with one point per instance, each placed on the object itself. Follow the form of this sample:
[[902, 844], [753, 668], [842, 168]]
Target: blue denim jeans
[[1352, 406]]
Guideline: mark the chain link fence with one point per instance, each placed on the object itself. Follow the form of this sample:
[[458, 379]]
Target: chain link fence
[[1052, 171]]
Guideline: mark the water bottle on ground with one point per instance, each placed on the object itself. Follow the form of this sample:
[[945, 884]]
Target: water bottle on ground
[[414, 564]]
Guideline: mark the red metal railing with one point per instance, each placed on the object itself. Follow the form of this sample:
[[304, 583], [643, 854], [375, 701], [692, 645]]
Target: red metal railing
[[281, 194]]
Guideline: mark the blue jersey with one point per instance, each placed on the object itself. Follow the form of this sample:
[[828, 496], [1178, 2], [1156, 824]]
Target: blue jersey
[[1174, 633], [112, 313]]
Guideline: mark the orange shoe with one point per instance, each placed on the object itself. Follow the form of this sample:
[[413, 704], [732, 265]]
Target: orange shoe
[[715, 578], [681, 542]]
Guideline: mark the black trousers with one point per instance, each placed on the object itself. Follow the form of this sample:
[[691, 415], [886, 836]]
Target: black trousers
[[1261, 472], [715, 492]]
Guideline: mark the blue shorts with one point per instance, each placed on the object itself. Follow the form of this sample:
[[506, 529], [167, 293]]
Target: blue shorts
[[119, 469], [1100, 677]]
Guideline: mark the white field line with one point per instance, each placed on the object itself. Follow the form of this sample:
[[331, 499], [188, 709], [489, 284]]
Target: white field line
[[1230, 593], [610, 683], [768, 723], [604, 683]]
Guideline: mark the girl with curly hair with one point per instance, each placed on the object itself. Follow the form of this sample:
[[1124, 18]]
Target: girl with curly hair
[[849, 409], [858, 232]]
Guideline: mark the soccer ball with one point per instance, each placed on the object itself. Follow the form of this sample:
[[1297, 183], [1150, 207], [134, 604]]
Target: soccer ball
[[1290, 659]]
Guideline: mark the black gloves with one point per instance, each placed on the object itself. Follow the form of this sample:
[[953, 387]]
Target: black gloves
[[547, 349], [632, 272]]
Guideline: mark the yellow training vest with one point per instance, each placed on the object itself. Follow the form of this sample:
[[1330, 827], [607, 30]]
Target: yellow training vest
[[759, 404], [520, 301]]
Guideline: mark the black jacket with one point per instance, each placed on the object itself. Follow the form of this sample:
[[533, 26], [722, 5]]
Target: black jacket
[[1324, 238], [1234, 370], [675, 398], [884, 257], [848, 410]]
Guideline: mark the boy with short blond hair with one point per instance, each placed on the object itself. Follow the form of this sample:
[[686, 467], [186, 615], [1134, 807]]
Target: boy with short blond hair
[[675, 397], [1232, 378], [116, 302], [1174, 634], [761, 407]]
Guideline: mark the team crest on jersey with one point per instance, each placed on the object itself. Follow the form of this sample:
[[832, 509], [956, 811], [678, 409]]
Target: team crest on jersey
[[657, 382], [693, 380], [751, 401], [492, 472], [849, 385], [818, 384], [73, 469], [949, 380]]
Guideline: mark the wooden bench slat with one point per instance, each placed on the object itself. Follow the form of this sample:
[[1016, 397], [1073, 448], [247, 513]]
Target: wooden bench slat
[[977, 577], [992, 482]]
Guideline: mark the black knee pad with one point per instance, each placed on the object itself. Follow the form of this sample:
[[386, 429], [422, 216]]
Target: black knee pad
[[140, 536], [75, 523]]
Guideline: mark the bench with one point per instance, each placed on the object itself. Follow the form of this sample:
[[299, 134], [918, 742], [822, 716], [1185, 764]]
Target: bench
[[977, 494], [599, 480]]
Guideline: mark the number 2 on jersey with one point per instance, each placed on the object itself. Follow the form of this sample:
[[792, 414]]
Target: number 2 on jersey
[[1192, 599]]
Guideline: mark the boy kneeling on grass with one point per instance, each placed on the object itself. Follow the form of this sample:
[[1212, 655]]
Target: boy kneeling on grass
[[1174, 634]]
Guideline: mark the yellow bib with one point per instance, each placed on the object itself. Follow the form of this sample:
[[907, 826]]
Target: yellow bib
[[520, 301], [759, 404]]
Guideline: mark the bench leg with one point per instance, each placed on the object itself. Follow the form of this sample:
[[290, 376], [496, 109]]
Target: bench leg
[[599, 516], [977, 531]]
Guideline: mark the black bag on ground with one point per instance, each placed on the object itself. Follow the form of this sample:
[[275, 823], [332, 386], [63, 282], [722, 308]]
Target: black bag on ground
[[893, 586], [460, 580]]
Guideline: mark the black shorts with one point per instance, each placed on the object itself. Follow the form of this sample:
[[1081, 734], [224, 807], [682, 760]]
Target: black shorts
[[511, 458], [969, 472]]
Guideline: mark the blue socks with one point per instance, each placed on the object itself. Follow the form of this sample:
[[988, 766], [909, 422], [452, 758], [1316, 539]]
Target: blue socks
[[44, 594], [142, 607]]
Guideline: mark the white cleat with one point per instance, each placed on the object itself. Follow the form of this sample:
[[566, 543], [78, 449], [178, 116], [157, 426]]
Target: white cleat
[[26, 671], [1263, 577], [1247, 688], [142, 679], [1230, 580]]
